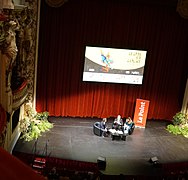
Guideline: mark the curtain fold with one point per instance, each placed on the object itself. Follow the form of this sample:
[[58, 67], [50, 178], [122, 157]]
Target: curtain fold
[[64, 33]]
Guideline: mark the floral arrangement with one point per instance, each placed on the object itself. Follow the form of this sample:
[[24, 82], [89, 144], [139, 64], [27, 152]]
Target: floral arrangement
[[33, 124], [179, 124]]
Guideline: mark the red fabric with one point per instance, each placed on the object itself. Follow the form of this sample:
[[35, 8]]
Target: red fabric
[[65, 31], [22, 86], [14, 169], [60, 164]]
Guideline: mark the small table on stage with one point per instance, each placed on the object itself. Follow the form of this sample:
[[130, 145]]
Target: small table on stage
[[117, 134]]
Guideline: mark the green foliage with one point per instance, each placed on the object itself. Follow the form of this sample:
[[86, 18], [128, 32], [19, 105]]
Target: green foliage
[[42, 115], [174, 129], [184, 131], [180, 125], [34, 124], [179, 118]]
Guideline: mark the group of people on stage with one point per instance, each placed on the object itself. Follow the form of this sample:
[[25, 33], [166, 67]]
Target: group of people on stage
[[118, 125]]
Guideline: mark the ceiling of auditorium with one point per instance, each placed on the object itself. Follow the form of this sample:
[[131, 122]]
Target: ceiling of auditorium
[[155, 2]]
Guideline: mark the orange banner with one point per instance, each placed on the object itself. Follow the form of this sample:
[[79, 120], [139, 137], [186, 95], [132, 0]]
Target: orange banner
[[141, 112]]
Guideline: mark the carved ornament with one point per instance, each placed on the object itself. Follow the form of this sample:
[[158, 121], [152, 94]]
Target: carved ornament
[[182, 8], [55, 3]]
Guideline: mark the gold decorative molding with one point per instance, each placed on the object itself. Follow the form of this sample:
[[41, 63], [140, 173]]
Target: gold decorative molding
[[6, 4], [3, 125], [182, 8], [55, 3], [18, 53]]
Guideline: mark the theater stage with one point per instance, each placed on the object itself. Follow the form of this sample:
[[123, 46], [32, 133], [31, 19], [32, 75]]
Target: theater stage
[[73, 138]]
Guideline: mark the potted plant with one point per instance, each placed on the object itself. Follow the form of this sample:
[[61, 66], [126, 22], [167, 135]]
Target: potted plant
[[179, 124], [33, 124]]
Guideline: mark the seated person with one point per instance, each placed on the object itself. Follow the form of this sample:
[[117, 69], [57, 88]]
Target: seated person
[[129, 125], [103, 127], [128, 121], [118, 123], [53, 174], [125, 128]]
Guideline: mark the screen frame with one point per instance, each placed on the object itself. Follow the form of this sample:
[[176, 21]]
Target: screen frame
[[122, 76]]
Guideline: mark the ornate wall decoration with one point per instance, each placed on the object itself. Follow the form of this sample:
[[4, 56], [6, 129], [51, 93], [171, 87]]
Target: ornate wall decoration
[[8, 47], [2, 17], [2, 34], [30, 43], [55, 3], [182, 8], [18, 41], [7, 4], [3, 126]]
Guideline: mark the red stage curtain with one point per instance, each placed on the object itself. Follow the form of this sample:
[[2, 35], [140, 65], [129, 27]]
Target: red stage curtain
[[65, 31]]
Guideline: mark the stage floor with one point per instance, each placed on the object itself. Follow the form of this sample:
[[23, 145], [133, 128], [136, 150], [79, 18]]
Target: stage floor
[[73, 138]]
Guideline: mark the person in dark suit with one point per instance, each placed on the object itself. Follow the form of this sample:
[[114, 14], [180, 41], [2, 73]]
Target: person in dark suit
[[103, 127]]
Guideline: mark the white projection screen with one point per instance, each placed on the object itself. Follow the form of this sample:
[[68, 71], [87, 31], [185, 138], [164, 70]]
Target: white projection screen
[[114, 65]]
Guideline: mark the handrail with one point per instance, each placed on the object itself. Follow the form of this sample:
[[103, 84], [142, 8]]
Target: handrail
[[23, 85]]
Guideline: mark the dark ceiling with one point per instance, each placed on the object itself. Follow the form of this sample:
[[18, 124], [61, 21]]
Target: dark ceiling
[[172, 3]]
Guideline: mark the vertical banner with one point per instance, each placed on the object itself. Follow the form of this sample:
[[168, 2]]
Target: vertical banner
[[141, 112]]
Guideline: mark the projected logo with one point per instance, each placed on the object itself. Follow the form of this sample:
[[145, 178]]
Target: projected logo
[[106, 61]]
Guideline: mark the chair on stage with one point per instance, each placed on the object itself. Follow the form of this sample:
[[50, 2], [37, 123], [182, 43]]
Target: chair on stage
[[97, 129]]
